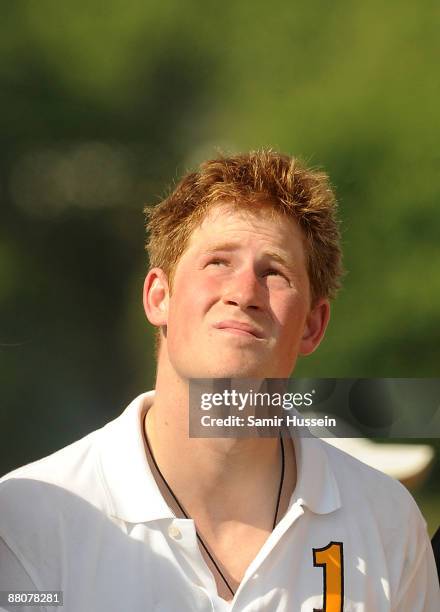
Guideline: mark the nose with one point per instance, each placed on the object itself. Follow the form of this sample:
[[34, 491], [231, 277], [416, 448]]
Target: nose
[[245, 290]]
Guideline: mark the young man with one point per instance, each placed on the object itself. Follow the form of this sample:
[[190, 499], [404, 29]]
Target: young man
[[139, 516]]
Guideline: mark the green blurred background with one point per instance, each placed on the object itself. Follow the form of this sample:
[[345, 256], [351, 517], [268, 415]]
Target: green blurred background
[[103, 105]]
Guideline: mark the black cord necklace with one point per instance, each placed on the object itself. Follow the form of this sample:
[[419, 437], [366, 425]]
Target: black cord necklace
[[186, 515]]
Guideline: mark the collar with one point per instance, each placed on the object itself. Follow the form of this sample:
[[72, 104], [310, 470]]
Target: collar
[[131, 488], [316, 485], [135, 497]]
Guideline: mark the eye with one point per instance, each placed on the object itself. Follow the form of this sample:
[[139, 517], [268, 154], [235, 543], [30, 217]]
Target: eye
[[272, 271], [216, 261], [276, 273]]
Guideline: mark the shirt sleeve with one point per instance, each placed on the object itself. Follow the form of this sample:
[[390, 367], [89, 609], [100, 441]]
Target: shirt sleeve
[[13, 577], [421, 591]]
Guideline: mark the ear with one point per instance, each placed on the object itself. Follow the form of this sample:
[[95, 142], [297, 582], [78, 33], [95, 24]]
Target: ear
[[156, 297], [316, 324]]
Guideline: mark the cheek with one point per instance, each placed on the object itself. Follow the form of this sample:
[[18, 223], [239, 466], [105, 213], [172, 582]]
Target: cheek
[[285, 306], [291, 313], [191, 300], [202, 293]]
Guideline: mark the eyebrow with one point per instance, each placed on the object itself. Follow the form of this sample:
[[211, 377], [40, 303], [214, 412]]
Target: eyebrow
[[221, 246], [233, 246]]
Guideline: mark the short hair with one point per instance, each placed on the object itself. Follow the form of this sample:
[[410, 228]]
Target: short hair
[[250, 180]]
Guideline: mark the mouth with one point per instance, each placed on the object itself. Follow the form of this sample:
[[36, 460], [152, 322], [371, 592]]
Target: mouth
[[240, 329]]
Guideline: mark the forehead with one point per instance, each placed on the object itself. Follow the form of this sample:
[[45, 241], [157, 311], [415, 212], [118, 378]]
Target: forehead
[[262, 225]]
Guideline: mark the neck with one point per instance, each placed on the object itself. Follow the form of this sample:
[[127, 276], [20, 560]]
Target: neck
[[221, 479]]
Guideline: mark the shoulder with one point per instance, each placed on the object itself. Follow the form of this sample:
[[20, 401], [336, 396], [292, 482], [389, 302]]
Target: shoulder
[[387, 527], [38, 496], [48, 505], [73, 469], [73, 482], [386, 516], [361, 485]]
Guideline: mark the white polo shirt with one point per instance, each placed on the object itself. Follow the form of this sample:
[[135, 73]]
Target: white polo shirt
[[90, 520]]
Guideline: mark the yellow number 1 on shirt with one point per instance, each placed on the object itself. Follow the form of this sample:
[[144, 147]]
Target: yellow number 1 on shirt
[[331, 559]]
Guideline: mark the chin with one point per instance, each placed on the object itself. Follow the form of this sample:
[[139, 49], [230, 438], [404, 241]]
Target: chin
[[238, 370], [219, 363]]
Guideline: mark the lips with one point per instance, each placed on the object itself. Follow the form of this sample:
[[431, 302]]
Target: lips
[[240, 327]]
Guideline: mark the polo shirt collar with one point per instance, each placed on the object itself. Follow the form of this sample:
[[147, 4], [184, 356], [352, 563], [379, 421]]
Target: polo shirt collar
[[135, 497], [316, 485], [131, 488]]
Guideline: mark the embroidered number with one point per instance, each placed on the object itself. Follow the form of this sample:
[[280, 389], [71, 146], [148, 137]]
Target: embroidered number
[[331, 559]]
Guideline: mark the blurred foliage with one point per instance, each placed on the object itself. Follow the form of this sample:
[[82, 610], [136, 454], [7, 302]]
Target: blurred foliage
[[103, 105]]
